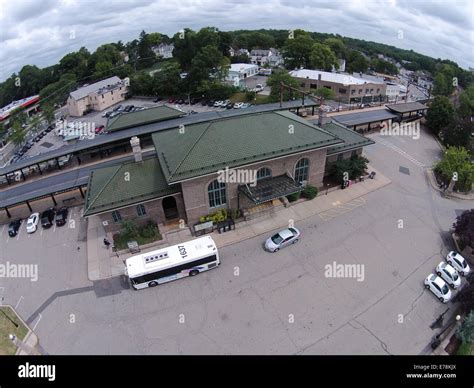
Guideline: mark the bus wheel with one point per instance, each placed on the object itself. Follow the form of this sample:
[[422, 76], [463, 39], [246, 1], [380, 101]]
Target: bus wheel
[[194, 272], [152, 284]]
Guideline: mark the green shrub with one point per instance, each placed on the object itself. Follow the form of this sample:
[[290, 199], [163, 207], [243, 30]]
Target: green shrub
[[149, 230], [234, 213], [218, 216], [293, 197], [310, 192]]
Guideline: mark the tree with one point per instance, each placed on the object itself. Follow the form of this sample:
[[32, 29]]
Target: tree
[[458, 133], [440, 114], [275, 80], [464, 228], [146, 56], [208, 63], [48, 113], [167, 81], [456, 164], [466, 330], [352, 168], [337, 46], [297, 51], [185, 47], [141, 84], [466, 103], [17, 133], [325, 93], [356, 62], [322, 58], [35, 124]]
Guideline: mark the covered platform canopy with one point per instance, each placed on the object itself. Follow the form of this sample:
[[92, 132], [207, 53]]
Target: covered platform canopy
[[352, 120], [268, 189], [408, 110]]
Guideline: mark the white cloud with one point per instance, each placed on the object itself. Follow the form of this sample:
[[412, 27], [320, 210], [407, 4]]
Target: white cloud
[[38, 32]]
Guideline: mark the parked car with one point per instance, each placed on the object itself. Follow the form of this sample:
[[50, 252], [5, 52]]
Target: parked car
[[180, 101], [118, 107], [230, 105], [106, 114], [438, 287], [47, 218], [194, 100], [448, 274], [217, 104], [99, 129], [171, 100], [32, 223], [61, 216], [158, 99], [225, 103], [238, 105], [128, 108], [282, 239], [245, 105], [14, 227], [458, 262]]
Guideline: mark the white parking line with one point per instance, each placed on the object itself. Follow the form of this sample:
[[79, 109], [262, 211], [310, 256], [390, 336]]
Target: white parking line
[[19, 232], [3, 229], [36, 324], [19, 300]]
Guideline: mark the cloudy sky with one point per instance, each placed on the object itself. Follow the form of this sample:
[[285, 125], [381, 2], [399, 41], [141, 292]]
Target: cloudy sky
[[40, 32]]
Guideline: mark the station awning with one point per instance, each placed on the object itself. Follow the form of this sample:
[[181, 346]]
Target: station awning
[[268, 189]]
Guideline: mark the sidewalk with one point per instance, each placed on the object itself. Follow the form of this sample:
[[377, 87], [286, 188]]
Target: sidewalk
[[102, 264]]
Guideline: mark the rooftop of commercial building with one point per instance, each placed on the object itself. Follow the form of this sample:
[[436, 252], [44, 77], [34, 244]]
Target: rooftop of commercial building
[[345, 79], [207, 147], [87, 89], [364, 117]]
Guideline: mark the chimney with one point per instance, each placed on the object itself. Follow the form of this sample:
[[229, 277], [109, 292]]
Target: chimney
[[321, 117], [318, 85], [137, 150]]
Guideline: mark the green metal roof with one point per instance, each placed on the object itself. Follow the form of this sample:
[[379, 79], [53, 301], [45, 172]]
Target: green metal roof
[[125, 184], [142, 117], [235, 141], [352, 140]]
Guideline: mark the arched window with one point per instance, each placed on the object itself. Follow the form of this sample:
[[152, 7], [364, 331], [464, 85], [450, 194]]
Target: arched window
[[264, 172], [216, 192], [301, 170]]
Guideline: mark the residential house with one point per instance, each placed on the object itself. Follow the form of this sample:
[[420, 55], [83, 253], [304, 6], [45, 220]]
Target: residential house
[[163, 50]]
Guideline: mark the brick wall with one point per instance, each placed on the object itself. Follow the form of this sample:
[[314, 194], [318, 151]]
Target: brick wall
[[195, 191]]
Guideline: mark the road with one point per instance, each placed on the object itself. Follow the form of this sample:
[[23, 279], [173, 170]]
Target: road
[[257, 302]]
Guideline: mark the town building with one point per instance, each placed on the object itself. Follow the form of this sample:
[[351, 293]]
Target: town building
[[163, 50], [238, 72], [346, 87], [270, 57], [97, 96], [243, 162]]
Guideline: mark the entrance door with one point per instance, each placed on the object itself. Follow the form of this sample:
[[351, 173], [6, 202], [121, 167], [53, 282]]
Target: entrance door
[[169, 207]]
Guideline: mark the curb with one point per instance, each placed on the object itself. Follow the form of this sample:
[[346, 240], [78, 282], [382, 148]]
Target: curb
[[432, 180]]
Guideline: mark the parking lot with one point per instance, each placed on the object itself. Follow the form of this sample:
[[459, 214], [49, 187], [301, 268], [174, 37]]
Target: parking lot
[[258, 302]]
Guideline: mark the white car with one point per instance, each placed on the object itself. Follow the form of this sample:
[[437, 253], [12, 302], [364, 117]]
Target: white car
[[282, 239], [448, 274], [32, 223], [458, 262], [438, 287], [218, 104], [238, 105]]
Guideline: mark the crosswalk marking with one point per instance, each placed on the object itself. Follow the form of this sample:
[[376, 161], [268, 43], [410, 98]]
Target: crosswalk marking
[[400, 151], [339, 210]]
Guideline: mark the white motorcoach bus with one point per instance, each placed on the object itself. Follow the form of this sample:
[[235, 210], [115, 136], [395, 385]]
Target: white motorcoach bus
[[171, 263]]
